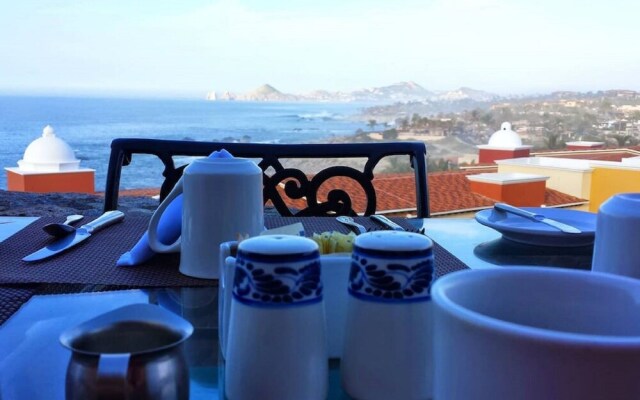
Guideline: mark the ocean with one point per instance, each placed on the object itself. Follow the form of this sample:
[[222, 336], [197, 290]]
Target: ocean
[[89, 125]]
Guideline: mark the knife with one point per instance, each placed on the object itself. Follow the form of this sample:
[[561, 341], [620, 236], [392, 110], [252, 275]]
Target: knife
[[81, 234], [387, 222], [536, 217]]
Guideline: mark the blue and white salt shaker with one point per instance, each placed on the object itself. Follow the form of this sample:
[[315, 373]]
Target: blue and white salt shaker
[[277, 344], [388, 347]]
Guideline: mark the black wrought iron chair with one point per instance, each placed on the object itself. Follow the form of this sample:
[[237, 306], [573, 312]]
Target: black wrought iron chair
[[293, 183]]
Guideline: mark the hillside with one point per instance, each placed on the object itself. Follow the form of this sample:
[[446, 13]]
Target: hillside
[[397, 92]]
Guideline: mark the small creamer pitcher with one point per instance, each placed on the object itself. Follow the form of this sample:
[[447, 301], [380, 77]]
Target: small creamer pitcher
[[133, 352]]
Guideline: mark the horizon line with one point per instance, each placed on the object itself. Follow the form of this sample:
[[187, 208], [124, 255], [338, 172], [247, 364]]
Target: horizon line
[[192, 95]]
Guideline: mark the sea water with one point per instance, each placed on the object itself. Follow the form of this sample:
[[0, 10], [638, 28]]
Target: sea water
[[89, 125]]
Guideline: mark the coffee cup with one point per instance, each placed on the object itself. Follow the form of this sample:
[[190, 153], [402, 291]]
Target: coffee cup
[[533, 333]]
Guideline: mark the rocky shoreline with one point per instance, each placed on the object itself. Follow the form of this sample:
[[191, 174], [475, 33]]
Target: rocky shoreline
[[60, 204], [131, 202]]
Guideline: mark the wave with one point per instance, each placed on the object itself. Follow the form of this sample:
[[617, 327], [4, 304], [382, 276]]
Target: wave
[[322, 115]]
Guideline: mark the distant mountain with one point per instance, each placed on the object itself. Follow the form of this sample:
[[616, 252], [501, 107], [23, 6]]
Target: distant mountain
[[465, 93], [263, 93], [398, 92], [403, 91], [267, 93]]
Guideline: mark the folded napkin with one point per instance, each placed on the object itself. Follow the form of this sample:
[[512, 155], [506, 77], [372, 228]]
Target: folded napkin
[[169, 228]]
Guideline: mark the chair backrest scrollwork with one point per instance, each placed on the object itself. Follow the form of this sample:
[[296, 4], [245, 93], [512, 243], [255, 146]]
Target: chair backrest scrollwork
[[282, 184]]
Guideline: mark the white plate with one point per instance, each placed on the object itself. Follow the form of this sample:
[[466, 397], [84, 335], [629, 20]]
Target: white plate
[[523, 230]]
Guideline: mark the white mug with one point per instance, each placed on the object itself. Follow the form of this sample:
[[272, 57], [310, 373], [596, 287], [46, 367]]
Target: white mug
[[276, 344], [532, 333], [388, 335], [617, 231], [222, 200]]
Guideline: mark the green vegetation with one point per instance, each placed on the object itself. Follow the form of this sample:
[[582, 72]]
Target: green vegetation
[[546, 123], [390, 134]]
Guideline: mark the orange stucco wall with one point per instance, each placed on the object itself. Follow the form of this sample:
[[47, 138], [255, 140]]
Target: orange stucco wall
[[605, 182], [529, 194], [491, 155], [71, 182]]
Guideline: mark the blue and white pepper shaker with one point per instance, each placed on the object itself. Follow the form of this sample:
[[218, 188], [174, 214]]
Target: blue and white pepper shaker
[[388, 347], [277, 344]]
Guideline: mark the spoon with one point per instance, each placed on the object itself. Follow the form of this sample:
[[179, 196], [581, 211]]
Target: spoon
[[350, 222], [59, 230]]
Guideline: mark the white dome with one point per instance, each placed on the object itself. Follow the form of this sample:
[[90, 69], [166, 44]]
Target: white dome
[[48, 153], [505, 137]]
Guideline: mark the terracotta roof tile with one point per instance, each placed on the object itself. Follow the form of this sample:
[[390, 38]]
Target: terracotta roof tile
[[449, 192]]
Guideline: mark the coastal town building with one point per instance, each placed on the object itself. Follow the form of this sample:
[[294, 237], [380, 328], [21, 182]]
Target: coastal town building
[[50, 165], [580, 177], [504, 143]]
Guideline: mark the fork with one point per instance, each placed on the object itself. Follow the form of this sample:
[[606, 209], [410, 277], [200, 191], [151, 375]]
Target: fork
[[351, 223], [388, 224]]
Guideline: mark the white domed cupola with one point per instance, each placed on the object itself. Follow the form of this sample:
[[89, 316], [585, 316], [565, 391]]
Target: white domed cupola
[[49, 153], [503, 144], [505, 137]]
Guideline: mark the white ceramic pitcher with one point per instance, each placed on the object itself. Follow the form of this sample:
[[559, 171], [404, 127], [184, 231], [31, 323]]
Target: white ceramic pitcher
[[222, 200]]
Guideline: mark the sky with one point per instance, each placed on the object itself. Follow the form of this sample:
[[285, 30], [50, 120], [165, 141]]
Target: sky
[[190, 47]]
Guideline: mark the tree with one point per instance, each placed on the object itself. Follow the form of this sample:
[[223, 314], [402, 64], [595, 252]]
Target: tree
[[438, 164], [622, 140], [390, 134], [503, 114], [487, 118], [372, 124], [397, 164], [404, 123], [605, 105], [416, 120], [553, 140], [362, 136]]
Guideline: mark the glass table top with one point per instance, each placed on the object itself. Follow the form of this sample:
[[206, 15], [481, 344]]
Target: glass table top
[[33, 363]]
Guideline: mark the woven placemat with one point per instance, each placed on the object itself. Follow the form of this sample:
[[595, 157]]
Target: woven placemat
[[91, 262], [91, 266], [13, 297]]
